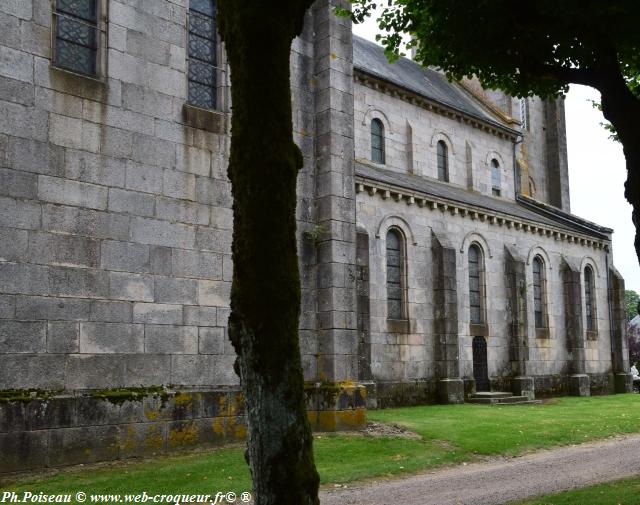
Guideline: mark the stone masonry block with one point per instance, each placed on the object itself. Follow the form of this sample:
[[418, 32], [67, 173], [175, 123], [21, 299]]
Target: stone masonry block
[[161, 258], [8, 306], [147, 369], [86, 444], [104, 338], [131, 202], [151, 231], [177, 184], [200, 316], [145, 178], [94, 371], [77, 221], [25, 122], [214, 293], [25, 371], [41, 307], [211, 340], [64, 250], [213, 240], [64, 191], [171, 339], [125, 256], [57, 412], [22, 337], [17, 184], [13, 244], [79, 282], [16, 64], [19, 214], [24, 278], [89, 167], [32, 156], [111, 312], [23, 451], [157, 313], [134, 287], [175, 290], [63, 337], [197, 264]]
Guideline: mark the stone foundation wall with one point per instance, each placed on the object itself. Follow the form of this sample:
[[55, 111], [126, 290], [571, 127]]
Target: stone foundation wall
[[47, 430]]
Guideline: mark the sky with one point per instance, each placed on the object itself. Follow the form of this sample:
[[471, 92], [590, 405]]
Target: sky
[[596, 172]]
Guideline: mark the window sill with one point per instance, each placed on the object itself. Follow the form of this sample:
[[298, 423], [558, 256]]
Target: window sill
[[478, 330], [542, 332], [77, 75], [398, 325], [204, 119]]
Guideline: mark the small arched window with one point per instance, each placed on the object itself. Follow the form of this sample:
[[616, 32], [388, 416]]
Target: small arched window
[[377, 141], [396, 276], [476, 285], [539, 293], [589, 298], [443, 161], [496, 183]]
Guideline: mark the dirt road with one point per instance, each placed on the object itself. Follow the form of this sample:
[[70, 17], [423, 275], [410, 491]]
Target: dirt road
[[503, 480]]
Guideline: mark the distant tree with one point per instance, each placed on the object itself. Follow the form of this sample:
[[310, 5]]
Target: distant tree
[[634, 349], [632, 303], [536, 47], [265, 293]]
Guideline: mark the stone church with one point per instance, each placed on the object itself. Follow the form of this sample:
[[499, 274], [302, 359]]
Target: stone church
[[438, 253]]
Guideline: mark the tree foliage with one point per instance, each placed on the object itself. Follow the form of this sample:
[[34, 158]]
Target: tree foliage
[[537, 47], [632, 303]]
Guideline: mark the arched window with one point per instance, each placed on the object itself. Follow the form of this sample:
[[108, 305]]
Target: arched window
[[377, 141], [476, 284], [539, 293], [496, 187], [589, 298], [396, 275], [443, 161]]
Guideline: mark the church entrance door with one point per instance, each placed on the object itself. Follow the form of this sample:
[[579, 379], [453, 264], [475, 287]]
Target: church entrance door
[[480, 368]]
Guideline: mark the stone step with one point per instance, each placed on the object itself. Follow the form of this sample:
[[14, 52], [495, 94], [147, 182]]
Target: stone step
[[491, 394], [513, 400]]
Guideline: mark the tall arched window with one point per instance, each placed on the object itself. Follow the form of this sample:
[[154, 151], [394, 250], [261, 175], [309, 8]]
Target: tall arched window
[[377, 141], [539, 293], [476, 284], [443, 161], [496, 183], [589, 298], [396, 276]]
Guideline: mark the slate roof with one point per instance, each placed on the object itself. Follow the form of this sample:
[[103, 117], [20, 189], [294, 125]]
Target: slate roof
[[369, 58], [544, 215]]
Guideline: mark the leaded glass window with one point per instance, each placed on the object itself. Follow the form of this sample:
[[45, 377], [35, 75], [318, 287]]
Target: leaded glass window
[[476, 285], [395, 275], [589, 298], [377, 141], [202, 53], [76, 35], [443, 161], [539, 306], [496, 183]]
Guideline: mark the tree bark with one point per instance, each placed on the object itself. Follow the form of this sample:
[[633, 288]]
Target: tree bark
[[622, 109], [265, 295]]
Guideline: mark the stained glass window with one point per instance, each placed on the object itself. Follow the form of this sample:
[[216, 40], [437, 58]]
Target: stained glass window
[[538, 293], [476, 282], [76, 44], [395, 275], [202, 53], [377, 141], [589, 298], [443, 161], [496, 184]]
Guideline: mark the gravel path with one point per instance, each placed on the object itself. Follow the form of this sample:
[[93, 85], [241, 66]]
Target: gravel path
[[503, 480]]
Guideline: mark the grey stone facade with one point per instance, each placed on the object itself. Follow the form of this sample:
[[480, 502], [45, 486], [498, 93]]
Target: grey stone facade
[[116, 225]]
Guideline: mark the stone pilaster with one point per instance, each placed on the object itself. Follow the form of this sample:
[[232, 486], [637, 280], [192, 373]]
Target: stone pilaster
[[619, 343], [516, 282], [572, 286], [363, 305], [445, 322], [335, 194], [557, 167]]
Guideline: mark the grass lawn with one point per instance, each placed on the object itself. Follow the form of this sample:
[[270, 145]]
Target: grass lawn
[[449, 434], [621, 492]]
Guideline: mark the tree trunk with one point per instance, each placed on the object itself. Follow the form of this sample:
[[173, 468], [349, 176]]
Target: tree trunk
[[265, 295], [622, 109]]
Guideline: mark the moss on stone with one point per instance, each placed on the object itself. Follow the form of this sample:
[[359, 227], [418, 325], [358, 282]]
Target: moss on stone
[[118, 396], [26, 395]]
